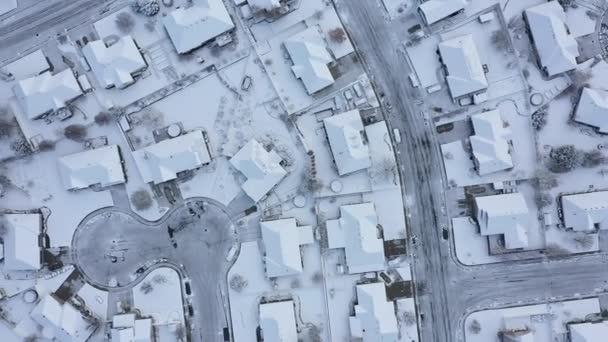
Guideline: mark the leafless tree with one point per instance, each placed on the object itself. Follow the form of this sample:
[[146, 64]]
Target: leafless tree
[[238, 283], [125, 22], [474, 327], [104, 118], [76, 132], [141, 199], [337, 35]]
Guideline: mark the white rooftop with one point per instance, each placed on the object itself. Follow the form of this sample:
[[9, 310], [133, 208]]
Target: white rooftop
[[267, 5], [345, 134], [555, 46], [278, 322], [114, 66], [162, 161], [310, 57], [490, 143], [21, 247], [356, 231], [61, 321], [374, 319], [506, 214], [189, 28], [30, 65], [465, 73], [592, 109], [282, 241], [434, 10], [101, 166], [45, 93], [262, 169], [126, 328], [586, 212], [588, 332]]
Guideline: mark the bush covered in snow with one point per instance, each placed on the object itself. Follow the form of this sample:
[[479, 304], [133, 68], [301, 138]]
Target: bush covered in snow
[[146, 7]]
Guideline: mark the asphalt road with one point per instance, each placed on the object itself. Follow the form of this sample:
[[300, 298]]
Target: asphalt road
[[110, 246], [451, 290], [34, 24]]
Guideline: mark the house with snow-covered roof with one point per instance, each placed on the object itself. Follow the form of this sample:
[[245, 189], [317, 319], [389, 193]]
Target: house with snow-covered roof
[[310, 57], [61, 321], [374, 319], [507, 215], [465, 74], [491, 143], [282, 240], [21, 244], [101, 166], [265, 5], [115, 65], [191, 27], [588, 331], [592, 109], [46, 93], [556, 48], [586, 211], [278, 322], [128, 328], [163, 161], [347, 141], [262, 169], [358, 232], [433, 11]]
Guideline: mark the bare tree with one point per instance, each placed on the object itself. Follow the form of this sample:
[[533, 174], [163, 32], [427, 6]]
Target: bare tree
[[408, 318], [141, 199], [337, 35], [238, 283], [125, 22], [583, 241], [76, 132], [564, 159], [146, 288], [500, 39], [46, 145], [474, 327], [104, 118]]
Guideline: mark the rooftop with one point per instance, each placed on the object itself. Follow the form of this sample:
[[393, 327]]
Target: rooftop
[[190, 28], [282, 241], [101, 166], [46, 93], [592, 109], [586, 211], [21, 247], [555, 46], [262, 169], [357, 232], [490, 143], [310, 57], [345, 133], [465, 74], [162, 161], [505, 214], [434, 10], [114, 66], [278, 322], [374, 319]]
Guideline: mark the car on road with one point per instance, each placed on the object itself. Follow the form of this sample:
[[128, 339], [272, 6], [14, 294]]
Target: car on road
[[397, 135]]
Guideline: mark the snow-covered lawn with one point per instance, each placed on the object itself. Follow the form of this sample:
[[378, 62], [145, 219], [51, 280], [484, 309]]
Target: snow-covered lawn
[[159, 295]]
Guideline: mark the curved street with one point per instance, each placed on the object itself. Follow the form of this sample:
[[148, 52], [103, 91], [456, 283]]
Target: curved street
[[113, 248]]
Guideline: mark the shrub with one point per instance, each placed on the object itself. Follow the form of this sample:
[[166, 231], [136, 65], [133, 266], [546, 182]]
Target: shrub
[[103, 118], [76, 132], [141, 199], [46, 145], [125, 22], [564, 159], [337, 35]]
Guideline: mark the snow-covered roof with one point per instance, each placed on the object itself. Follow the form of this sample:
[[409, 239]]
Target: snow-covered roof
[[61, 321], [162, 161], [282, 241], [267, 5], [374, 319], [490, 143], [126, 328], [592, 109], [191, 27], [505, 214], [434, 10], [46, 93], [278, 322], [101, 166], [345, 134], [21, 247], [585, 212], [114, 66], [30, 65], [555, 46], [588, 332], [357, 232], [310, 57], [465, 73], [262, 169]]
